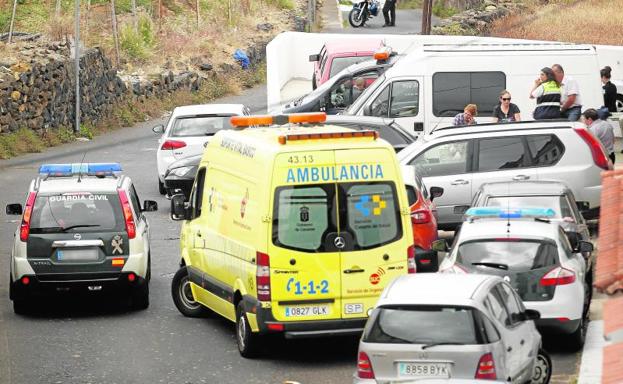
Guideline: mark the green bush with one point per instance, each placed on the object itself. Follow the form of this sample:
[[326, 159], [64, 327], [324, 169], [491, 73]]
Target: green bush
[[5, 20], [440, 10], [137, 43], [283, 4]]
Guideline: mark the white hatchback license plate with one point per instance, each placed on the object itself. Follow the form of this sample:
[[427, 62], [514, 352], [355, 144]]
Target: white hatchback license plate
[[83, 254], [437, 370], [307, 310]]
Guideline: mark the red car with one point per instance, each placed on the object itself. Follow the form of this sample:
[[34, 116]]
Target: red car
[[423, 219]]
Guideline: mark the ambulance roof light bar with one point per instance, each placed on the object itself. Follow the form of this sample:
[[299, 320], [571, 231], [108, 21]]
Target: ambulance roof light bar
[[327, 135], [265, 120], [509, 213], [383, 53], [73, 169]]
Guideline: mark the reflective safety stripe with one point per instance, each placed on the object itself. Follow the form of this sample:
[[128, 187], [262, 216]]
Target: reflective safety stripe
[[555, 104], [551, 95]]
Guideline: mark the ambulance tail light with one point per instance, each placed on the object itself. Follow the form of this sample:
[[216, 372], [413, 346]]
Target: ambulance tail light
[[411, 266], [262, 277], [24, 229], [170, 145], [130, 226]]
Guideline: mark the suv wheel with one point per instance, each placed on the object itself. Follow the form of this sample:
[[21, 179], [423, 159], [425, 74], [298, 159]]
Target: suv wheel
[[183, 295], [140, 297], [542, 368], [21, 307], [247, 341], [161, 188]]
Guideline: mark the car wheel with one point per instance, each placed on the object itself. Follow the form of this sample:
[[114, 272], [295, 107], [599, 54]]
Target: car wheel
[[183, 295], [247, 341], [577, 338], [21, 307], [161, 188], [140, 297], [542, 368]]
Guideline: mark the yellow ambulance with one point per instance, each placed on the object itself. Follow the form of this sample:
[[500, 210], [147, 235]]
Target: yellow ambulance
[[292, 227]]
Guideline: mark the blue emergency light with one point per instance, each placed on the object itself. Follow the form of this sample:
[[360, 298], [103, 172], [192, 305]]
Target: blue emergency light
[[92, 169], [509, 213]]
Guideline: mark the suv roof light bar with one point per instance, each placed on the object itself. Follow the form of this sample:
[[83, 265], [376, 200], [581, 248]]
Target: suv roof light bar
[[508, 213], [73, 169]]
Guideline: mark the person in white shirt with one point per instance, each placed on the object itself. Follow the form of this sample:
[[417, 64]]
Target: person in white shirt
[[602, 131], [570, 103]]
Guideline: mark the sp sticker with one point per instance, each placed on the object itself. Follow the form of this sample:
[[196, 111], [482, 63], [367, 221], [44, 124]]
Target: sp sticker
[[117, 244]]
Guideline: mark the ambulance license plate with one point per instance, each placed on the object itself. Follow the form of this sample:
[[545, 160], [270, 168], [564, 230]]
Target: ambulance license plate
[[307, 310], [435, 370]]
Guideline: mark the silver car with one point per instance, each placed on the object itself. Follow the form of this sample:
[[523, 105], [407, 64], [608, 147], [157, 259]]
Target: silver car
[[461, 159], [443, 326]]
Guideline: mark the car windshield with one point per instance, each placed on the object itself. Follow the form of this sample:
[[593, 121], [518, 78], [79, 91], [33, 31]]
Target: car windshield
[[204, 125], [558, 203], [508, 254], [354, 107], [422, 325], [339, 63], [77, 212]]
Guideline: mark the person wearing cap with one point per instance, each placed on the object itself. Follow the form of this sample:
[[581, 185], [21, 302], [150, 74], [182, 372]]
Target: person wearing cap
[[570, 102], [546, 90], [601, 129]]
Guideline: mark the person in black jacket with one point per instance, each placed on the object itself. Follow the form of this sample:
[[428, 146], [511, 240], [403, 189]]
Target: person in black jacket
[[610, 90], [389, 13]]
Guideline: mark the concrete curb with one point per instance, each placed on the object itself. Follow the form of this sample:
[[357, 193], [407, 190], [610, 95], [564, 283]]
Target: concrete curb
[[592, 354]]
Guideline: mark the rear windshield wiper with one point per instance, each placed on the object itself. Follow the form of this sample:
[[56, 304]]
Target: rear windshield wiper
[[78, 226], [441, 343], [493, 265]]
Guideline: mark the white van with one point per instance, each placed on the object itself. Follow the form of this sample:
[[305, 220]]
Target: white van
[[434, 82]]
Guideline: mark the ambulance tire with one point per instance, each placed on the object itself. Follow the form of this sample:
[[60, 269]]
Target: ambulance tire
[[182, 295], [247, 341]]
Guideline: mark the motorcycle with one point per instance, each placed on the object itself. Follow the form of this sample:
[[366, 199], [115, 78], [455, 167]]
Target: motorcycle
[[362, 11]]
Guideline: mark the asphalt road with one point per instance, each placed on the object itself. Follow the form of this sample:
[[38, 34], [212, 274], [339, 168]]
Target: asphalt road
[[99, 340]]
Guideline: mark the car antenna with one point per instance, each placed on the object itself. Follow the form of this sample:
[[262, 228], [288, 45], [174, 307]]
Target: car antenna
[[80, 168]]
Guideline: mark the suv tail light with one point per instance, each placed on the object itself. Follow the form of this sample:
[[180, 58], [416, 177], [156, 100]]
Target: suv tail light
[[558, 276], [364, 367], [262, 277], [455, 268], [411, 266], [24, 229], [130, 226], [172, 144], [486, 368], [421, 216], [597, 150]]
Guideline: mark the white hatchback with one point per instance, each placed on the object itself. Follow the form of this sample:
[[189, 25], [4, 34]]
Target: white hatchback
[[189, 129]]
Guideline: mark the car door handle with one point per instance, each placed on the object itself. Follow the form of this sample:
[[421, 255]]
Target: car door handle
[[509, 349], [354, 270], [459, 182], [522, 342], [521, 177]]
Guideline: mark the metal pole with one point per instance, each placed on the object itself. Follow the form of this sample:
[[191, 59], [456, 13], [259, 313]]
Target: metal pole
[[77, 65], [426, 17], [12, 20]]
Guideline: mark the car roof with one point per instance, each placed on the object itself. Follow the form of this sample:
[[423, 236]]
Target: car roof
[[488, 228], [86, 184], [503, 127], [207, 109], [353, 45], [524, 187], [435, 288], [353, 119]]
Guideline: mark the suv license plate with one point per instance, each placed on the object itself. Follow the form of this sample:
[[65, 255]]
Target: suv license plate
[[307, 310], [83, 254], [437, 370]]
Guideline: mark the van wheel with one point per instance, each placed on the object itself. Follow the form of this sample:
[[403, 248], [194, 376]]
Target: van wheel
[[21, 307], [140, 297], [183, 295], [542, 368], [247, 341], [161, 188]]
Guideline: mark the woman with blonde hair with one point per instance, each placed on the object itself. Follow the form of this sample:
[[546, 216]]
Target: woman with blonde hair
[[505, 111], [467, 117]]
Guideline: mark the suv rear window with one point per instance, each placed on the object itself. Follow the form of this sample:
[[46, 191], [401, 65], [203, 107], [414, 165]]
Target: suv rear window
[[200, 125], [422, 325], [306, 217], [77, 212]]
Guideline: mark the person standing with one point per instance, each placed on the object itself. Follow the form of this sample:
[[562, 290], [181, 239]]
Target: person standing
[[467, 117], [570, 103], [602, 130], [546, 90], [610, 90], [505, 111], [389, 13]]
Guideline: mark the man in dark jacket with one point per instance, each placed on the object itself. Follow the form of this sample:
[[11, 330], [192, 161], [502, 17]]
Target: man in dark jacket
[[389, 13]]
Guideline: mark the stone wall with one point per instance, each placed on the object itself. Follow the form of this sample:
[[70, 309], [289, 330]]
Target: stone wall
[[476, 21]]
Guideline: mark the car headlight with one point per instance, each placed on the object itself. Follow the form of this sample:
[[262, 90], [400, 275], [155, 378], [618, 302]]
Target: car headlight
[[183, 171]]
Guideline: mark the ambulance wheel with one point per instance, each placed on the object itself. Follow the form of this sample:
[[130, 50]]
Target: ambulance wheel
[[140, 297], [161, 188], [183, 295], [247, 341]]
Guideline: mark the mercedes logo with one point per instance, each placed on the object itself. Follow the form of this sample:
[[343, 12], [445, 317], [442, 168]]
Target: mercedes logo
[[339, 242], [77, 236]]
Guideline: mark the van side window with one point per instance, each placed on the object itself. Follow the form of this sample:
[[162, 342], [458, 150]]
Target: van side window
[[546, 150], [405, 96], [443, 159], [452, 91], [196, 197], [380, 105], [501, 153]]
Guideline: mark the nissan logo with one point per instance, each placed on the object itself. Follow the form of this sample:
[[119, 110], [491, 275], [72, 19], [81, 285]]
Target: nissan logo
[[339, 242], [77, 236]]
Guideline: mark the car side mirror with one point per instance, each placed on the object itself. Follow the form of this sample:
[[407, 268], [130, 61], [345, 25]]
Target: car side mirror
[[315, 57], [531, 314], [13, 209], [367, 110], [435, 192], [179, 208], [439, 246], [158, 129], [585, 246], [150, 206]]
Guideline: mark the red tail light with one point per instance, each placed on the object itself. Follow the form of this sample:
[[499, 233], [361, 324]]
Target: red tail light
[[262, 276], [25, 280], [131, 277], [364, 367], [130, 226], [172, 144], [486, 368], [411, 266], [24, 229], [421, 216], [558, 276], [597, 150]]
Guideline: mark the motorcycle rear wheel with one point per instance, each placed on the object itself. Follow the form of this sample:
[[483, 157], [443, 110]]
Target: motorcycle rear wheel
[[356, 18]]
